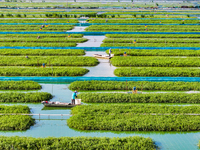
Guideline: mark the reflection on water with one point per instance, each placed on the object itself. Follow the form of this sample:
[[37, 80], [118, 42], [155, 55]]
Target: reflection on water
[[56, 126]]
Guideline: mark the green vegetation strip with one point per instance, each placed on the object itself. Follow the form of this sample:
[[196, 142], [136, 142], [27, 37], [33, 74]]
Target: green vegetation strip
[[158, 45], [19, 85], [151, 40], [25, 97], [39, 21], [144, 52], [157, 12], [152, 36], [139, 98], [21, 28], [54, 13], [144, 85], [47, 15], [143, 28], [48, 60], [15, 122], [38, 71], [35, 44], [42, 52], [150, 20], [17, 109], [47, 40], [156, 61], [71, 143], [43, 40], [118, 117], [157, 72], [42, 36]]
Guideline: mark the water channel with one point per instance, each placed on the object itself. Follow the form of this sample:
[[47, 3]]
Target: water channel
[[56, 126]]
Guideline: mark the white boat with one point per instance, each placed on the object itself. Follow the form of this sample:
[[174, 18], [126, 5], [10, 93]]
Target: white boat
[[103, 56]]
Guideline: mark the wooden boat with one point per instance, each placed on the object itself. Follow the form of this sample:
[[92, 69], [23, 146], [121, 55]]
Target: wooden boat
[[103, 56], [59, 104]]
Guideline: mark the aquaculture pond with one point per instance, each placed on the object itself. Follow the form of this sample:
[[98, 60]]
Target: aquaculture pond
[[56, 126]]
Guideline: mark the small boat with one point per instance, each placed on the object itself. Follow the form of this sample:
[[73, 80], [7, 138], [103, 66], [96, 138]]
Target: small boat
[[69, 105], [59, 104], [103, 56]]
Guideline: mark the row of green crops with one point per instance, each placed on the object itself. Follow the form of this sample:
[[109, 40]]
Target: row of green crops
[[145, 85], [150, 20], [73, 12], [38, 71], [156, 61], [15, 122], [71, 143], [14, 109], [149, 28], [50, 15], [41, 52], [54, 13], [42, 36], [48, 60], [25, 97], [39, 21], [110, 12], [153, 36], [19, 85], [134, 52], [36, 44], [139, 98], [43, 40], [158, 45], [131, 109], [151, 40], [21, 28], [63, 40], [157, 72], [47, 14], [136, 16], [154, 12], [118, 117]]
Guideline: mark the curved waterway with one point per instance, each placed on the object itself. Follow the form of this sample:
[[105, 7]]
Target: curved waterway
[[56, 126]]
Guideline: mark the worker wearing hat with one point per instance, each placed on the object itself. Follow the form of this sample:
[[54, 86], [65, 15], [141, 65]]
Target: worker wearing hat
[[74, 95]]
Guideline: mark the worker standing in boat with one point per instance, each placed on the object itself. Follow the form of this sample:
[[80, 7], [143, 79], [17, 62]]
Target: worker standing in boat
[[74, 95]]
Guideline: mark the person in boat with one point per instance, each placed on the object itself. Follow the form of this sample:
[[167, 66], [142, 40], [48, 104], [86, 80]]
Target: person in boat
[[38, 37], [110, 52], [74, 95], [134, 90]]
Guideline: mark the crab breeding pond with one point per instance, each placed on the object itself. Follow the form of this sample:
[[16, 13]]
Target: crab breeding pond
[[135, 69], [53, 125]]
